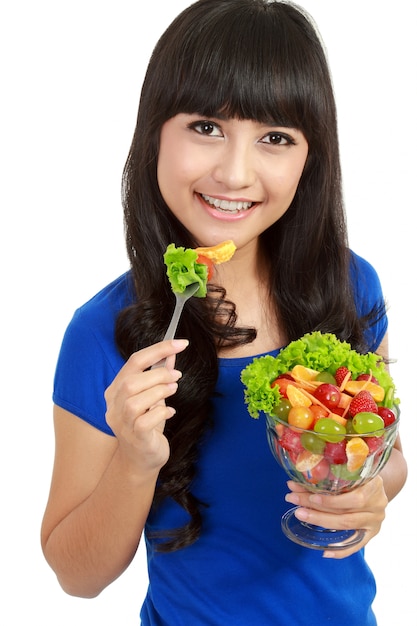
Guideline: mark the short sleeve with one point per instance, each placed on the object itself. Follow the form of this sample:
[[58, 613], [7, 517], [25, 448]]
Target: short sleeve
[[89, 359], [369, 296]]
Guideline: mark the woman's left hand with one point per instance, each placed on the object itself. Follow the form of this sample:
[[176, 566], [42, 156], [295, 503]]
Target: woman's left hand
[[362, 508]]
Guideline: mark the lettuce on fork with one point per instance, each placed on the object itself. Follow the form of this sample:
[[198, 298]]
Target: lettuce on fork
[[183, 270], [318, 351]]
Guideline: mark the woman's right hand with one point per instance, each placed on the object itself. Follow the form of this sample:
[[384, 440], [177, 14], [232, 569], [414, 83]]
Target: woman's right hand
[[106, 482], [136, 409]]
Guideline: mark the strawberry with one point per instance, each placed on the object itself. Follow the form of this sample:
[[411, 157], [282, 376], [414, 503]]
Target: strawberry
[[363, 402], [341, 374], [291, 441]]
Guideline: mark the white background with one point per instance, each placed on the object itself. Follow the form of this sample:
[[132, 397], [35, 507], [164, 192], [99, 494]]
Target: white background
[[71, 76]]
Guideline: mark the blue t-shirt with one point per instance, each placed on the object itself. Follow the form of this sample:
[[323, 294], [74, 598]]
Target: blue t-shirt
[[242, 570]]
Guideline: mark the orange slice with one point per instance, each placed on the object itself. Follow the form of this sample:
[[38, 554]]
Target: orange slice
[[220, 253], [356, 451], [299, 372], [355, 386], [307, 460], [297, 397]]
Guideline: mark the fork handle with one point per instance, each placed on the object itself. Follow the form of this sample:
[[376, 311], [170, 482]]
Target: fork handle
[[170, 332]]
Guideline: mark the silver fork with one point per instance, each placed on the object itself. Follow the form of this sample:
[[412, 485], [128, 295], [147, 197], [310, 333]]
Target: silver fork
[[180, 300]]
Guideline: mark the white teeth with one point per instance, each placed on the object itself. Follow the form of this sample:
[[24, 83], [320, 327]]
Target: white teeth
[[226, 205]]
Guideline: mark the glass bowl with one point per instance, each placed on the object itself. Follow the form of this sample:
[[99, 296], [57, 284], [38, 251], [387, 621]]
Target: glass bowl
[[327, 463]]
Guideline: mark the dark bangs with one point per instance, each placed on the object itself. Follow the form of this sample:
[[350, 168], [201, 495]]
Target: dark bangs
[[243, 59]]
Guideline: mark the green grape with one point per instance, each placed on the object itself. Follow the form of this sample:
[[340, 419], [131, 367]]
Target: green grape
[[341, 471], [367, 422], [326, 377], [282, 409], [329, 430], [349, 427], [312, 442]]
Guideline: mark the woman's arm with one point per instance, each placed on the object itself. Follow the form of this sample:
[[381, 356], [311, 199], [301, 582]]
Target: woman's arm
[[394, 473], [102, 487]]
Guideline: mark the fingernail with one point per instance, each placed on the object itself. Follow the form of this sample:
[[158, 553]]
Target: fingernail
[[176, 374], [302, 515], [180, 343], [292, 498]]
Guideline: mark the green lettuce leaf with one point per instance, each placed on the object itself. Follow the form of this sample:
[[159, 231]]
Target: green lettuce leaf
[[318, 351], [183, 270]]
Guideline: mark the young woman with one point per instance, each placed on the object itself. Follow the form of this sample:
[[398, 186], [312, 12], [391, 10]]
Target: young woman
[[236, 138]]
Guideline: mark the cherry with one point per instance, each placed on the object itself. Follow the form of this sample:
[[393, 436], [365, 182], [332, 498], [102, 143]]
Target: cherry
[[366, 377], [336, 452], [328, 394], [387, 415]]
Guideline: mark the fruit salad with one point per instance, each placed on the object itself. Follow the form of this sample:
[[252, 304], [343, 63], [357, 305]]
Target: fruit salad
[[195, 265], [332, 415]]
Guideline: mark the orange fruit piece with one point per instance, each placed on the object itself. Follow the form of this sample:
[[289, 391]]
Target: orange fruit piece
[[220, 253], [300, 372], [307, 460], [345, 400], [356, 451], [355, 386], [297, 397]]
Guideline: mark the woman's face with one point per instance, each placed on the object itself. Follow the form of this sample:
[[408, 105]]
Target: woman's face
[[228, 178]]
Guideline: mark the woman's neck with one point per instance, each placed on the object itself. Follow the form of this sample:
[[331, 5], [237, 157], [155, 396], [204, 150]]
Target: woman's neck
[[246, 284]]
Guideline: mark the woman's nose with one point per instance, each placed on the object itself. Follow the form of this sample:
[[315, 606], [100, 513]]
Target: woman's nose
[[235, 167]]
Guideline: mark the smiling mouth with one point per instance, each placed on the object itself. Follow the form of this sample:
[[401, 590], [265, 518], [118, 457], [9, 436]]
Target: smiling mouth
[[227, 206]]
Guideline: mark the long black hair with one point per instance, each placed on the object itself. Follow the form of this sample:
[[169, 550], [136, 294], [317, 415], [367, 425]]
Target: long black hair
[[255, 60]]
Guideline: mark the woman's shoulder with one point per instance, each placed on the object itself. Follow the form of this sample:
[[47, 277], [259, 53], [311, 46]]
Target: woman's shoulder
[[90, 334], [89, 358], [360, 266], [365, 279], [369, 299]]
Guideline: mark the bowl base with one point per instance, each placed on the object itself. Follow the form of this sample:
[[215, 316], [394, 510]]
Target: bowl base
[[317, 537]]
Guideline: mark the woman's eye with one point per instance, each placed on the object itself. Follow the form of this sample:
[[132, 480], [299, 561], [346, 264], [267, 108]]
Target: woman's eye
[[278, 139], [206, 128]]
